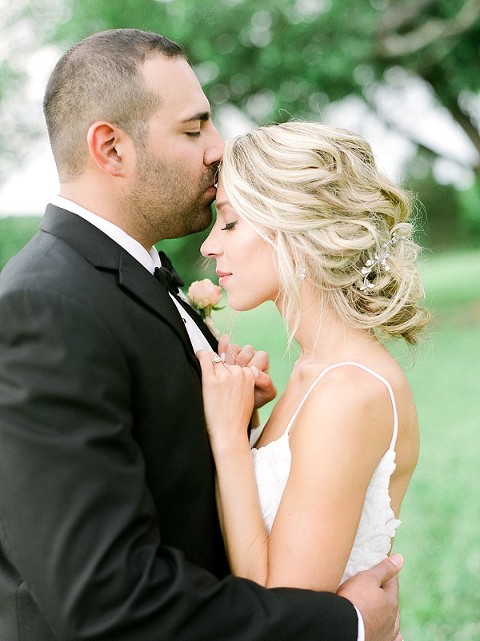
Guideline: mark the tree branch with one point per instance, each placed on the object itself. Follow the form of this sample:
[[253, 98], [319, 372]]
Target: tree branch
[[406, 133], [398, 16], [393, 45], [445, 95]]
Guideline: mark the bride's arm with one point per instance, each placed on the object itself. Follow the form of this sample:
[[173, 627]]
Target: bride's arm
[[228, 392], [332, 462], [246, 540], [337, 440]]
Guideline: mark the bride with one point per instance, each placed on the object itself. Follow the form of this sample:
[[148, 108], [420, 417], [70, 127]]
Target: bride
[[305, 219]]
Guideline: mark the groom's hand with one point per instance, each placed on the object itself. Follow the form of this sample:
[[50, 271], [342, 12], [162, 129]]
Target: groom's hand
[[375, 594], [257, 360]]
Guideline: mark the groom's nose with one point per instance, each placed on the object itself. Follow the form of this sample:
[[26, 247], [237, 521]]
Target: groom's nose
[[214, 151]]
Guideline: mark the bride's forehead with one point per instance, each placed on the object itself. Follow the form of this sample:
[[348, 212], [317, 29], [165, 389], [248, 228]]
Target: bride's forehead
[[222, 202]]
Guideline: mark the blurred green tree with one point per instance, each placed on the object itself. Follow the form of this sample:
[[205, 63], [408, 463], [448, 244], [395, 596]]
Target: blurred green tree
[[283, 57], [280, 59]]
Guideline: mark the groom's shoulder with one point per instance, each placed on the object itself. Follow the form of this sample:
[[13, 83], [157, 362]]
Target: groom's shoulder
[[46, 263], [24, 262]]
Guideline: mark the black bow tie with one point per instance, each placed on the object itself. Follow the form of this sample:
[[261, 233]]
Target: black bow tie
[[167, 275]]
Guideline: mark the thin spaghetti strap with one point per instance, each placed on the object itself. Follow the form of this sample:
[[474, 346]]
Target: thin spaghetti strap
[[393, 442], [307, 394], [369, 371]]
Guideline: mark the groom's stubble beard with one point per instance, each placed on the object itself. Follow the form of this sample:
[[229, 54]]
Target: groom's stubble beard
[[164, 201]]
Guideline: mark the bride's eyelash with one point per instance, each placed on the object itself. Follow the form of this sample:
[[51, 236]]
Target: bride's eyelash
[[229, 226]]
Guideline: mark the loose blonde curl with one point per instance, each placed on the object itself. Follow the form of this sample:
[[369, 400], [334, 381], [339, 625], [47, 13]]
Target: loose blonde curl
[[315, 194]]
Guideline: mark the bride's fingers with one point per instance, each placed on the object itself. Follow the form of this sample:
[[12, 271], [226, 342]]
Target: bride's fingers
[[230, 352], [245, 356], [223, 343], [214, 367], [216, 370], [260, 360], [209, 360]]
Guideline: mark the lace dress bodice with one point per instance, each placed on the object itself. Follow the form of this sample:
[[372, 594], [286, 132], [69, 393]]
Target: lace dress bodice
[[377, 524]]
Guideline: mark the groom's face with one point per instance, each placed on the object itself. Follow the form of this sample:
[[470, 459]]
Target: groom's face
[[176, 167]]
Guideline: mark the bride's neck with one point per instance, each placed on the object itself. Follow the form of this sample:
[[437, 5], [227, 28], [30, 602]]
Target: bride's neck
[[323, 336]]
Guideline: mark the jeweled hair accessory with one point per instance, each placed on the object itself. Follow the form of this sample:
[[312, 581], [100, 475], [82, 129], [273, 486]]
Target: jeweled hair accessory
[[377, 263]]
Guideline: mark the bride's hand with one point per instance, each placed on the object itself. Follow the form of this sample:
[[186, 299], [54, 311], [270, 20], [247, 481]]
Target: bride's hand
[[228, 392], [258, 362]]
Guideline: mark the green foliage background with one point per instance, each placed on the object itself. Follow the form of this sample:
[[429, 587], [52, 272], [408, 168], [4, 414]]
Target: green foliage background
[[293, 58]]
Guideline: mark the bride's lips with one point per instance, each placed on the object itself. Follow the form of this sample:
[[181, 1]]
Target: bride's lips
[[222, 277]]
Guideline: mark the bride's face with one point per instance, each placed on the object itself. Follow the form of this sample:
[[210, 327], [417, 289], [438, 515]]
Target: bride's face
[[245, 262]]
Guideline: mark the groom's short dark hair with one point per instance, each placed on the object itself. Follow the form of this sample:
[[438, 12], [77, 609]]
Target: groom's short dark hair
[[99, 78]]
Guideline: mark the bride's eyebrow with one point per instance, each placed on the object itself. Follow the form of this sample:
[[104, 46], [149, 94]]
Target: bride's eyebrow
[[219, 205]]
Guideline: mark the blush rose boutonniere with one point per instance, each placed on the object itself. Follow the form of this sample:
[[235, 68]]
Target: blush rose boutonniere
[[204, 296]]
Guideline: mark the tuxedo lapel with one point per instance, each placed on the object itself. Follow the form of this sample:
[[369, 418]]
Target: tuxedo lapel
[[136, 280], [106, 255]]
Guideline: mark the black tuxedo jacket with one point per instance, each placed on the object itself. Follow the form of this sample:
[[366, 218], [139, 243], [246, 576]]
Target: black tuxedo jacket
[[108, 525]]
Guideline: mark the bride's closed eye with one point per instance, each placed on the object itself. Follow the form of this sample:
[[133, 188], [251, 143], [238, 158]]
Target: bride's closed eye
[[229, 226]]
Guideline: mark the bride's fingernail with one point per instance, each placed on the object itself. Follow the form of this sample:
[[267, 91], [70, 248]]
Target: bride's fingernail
[[397, 559], [223, 356], [254, 370]]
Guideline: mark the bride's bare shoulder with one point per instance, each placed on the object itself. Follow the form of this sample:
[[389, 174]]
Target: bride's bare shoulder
[[351, 401]]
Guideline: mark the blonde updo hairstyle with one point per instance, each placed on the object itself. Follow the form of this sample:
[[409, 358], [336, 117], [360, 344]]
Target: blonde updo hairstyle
[[315, 193]]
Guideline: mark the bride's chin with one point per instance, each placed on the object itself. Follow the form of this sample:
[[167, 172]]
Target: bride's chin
[[239, 305]]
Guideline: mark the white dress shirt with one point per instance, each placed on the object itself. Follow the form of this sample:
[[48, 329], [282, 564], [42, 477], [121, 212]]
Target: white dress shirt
[[361, 626], [150, 259]]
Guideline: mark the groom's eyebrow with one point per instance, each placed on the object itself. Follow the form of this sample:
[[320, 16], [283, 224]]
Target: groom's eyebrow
[[203, 116]]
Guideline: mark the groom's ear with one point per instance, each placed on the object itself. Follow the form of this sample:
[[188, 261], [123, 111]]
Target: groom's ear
[[108, 146]]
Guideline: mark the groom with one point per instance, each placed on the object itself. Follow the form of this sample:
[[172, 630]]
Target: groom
[[108, 525]]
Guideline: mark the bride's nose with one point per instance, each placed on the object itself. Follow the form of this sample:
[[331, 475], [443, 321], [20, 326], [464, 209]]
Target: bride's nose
[[210, 247]]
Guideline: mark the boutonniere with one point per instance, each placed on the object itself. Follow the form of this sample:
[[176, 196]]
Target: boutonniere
[[204, 296]]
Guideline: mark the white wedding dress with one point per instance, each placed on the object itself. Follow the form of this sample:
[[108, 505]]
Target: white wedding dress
[[377, 523]]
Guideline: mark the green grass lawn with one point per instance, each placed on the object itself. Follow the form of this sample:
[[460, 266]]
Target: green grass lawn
[[440, 534]]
